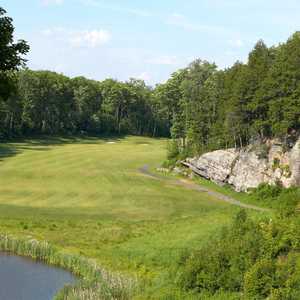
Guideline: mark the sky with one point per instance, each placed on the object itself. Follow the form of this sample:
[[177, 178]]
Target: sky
[[146, 39]]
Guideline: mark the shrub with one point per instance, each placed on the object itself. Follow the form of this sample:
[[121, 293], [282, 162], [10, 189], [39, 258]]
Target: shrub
[[257, 259], [288, 201], [259, 279], [267, 192], [277, 279], [222, 263], [172, 150]]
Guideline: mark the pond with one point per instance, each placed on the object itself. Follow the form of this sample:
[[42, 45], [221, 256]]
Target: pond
[[25, 279]]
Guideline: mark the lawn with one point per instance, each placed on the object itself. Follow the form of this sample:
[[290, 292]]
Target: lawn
[[87, 196]]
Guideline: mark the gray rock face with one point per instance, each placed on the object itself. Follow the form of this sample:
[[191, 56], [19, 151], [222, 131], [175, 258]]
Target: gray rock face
[[214, 165], [295, 164], [248, 171], [245, 169]]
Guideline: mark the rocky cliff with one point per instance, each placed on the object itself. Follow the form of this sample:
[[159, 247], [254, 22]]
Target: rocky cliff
[[271, 162]]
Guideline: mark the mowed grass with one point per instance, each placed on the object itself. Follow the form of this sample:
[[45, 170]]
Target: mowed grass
[[87, 196]]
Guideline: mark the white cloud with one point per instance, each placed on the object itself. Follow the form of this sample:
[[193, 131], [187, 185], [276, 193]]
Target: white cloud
[[92, 38], [59, 68], [144, 76], [79, 38], [183, 22], [230, 53], [164, 60], [238, 43], [176, 17], [52, 2], [46, 32], [138, 12], [118, 8], [55, 31]]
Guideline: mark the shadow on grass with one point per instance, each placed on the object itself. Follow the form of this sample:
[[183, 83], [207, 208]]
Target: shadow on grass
[[16, 147], [44, 142], [8, 150]]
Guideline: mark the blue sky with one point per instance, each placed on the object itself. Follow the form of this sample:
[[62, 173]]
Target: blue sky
[[146, 39]]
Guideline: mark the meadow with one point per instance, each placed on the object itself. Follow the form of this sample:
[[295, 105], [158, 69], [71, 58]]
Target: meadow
[[86, 196]]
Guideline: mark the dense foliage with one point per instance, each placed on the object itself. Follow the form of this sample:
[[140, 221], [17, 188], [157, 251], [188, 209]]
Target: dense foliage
[[249, 259], [51, 103], [11, 59], [211, 108]]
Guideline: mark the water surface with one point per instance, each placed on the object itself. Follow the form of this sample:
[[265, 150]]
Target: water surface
[[25, 279]]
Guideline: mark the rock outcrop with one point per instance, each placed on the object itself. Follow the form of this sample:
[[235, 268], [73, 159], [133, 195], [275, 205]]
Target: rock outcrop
[[216, 166], [244, 169]]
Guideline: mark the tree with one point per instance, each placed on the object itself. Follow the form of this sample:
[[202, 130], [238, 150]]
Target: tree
[[260, 61], [11, 54], [11, 59], [47, 102], [282, 88], [193, 104], [87, 100], [168, 97]]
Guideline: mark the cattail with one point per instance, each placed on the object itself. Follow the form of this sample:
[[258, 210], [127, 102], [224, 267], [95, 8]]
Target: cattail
[[95, 283]]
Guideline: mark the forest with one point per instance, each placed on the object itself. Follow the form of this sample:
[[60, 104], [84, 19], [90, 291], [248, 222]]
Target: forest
[[201, 107]]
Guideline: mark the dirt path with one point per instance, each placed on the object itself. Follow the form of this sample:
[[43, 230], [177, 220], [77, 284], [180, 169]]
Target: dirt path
[[188, 184]]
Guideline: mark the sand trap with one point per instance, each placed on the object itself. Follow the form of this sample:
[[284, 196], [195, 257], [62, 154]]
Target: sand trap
[[110, 142], [145, 144]]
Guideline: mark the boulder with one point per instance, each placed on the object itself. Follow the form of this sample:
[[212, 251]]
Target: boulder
[[216, 165], [248, 171], [246, 168]]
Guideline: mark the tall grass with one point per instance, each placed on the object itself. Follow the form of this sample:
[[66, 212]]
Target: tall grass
[[94, 282]]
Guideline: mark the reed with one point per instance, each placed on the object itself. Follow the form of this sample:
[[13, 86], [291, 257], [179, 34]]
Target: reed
[[94, 282]]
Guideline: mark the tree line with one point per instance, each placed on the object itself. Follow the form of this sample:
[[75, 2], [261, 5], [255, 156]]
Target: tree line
[[214, 109], [45, 102], [201, 107]]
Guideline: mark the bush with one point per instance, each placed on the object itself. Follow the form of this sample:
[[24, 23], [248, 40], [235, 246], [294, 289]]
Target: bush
[[172, 150], [288, 201], [176, 152], [284, 199], [274, 279], [258, 259], [267, 192], [222, 263], [259, 280]]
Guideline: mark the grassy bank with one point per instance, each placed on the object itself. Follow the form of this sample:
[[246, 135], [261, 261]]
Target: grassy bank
[[93, 282], [87, 197]]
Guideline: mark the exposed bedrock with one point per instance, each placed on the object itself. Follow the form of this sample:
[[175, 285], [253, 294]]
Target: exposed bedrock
[[270, 163]]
